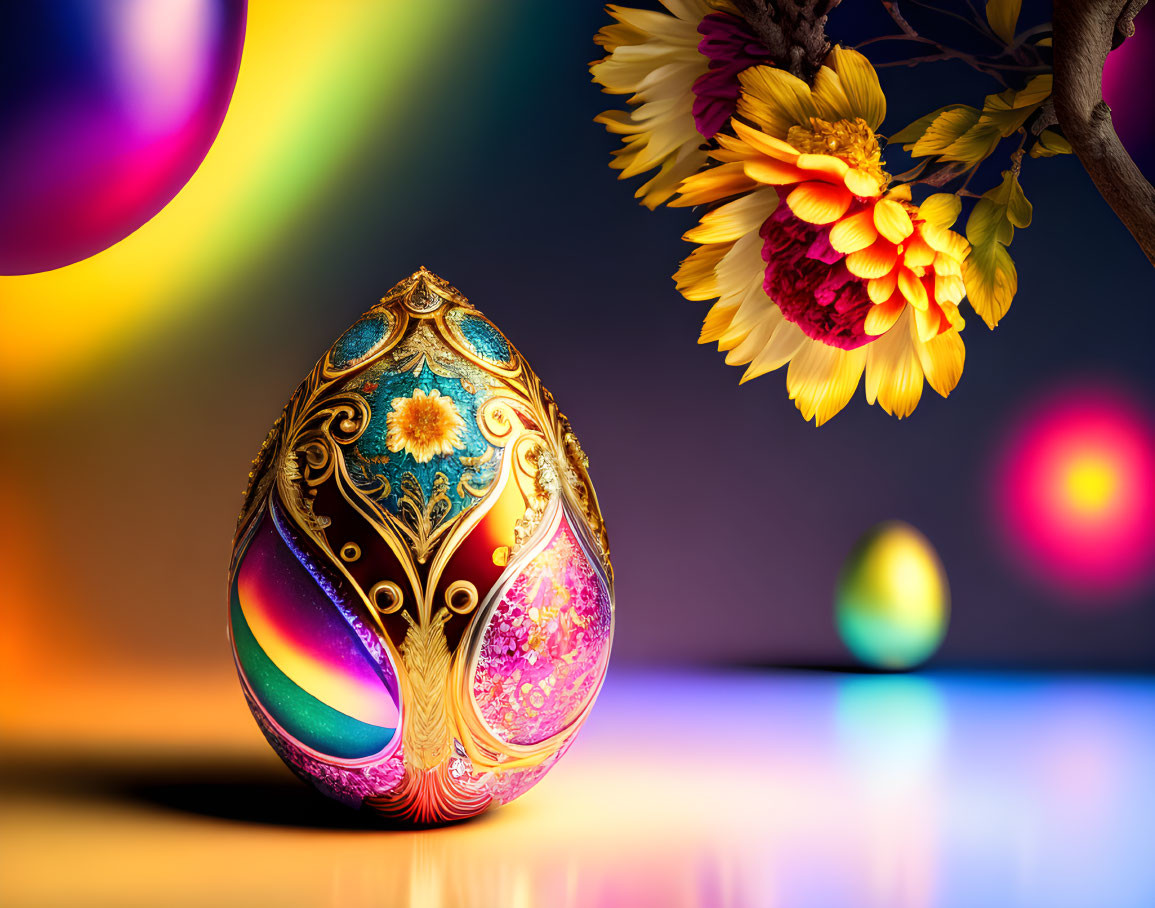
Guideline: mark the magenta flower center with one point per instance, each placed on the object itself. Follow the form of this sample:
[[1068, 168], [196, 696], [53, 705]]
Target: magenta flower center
[[731, 47], [810, 283]]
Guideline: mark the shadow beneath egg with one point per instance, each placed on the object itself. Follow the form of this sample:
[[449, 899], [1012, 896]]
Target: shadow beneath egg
[[231, 790]]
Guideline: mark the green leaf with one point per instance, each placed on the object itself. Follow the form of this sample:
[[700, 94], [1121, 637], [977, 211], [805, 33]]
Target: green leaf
[[941, 209], [947, 127], [1003, 16], [1019, 210], [1049, 144], [974, 145], [991, 281], [915, 130], [1009, 195], [989, 272], [984, 222], [1035, 92]]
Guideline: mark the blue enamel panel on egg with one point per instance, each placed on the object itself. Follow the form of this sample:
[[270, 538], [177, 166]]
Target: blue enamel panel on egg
[[389, 461], [359, 340], [484, 339]]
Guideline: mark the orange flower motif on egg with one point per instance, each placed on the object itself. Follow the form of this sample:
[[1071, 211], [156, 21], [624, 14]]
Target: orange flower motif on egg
[[424, 426]]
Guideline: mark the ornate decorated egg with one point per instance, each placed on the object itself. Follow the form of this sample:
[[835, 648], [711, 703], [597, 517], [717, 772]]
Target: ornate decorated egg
[[421, 600]]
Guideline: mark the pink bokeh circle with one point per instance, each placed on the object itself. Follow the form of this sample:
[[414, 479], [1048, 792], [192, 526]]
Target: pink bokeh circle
[[1075, 495]]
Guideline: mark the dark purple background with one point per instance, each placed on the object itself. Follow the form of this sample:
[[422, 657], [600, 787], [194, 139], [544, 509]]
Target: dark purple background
[[729, 516]]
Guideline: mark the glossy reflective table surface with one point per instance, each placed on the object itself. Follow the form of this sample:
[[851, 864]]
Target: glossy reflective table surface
[[744, 789]]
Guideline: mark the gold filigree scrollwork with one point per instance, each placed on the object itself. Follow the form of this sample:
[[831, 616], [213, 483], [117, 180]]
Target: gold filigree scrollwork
[[465, 484], [312, 450], [420, 519], [536, 477], [426, 736], [350, 552], [461, 596], [496, 420], [386, 597]]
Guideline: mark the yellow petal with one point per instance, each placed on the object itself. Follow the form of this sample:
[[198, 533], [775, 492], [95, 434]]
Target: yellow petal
[[758, 337], [893, 370], [713, 184], [825, 166], [945, 241], [768, 145], [733, 149], [695, 277], [853, 233], [880, 289], [875, 261], [911, 287], [828, 96], [860, 82], [927, 323], [899, 192], [944, 264], [734, 219], [785, 342], [716, 322], [949, 288], [941, 209], [881, 318], [819, 203], [892, 220], [942, 359], [917, 252], [862, 184], [822, 379], [772, 172], [774, 99]]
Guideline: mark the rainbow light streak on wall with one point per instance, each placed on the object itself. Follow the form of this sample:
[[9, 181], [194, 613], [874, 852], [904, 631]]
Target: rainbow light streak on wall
[[1076, 494], [313, 77]]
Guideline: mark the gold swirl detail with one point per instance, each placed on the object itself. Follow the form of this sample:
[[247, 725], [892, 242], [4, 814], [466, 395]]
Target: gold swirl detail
[[461, 597], [391, 593]]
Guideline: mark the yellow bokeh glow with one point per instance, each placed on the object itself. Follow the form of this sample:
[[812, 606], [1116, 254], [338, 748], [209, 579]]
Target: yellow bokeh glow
[[1091, 483]]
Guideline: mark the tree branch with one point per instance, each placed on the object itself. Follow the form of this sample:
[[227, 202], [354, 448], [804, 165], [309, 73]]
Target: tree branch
[[794, 31], [1085, 32]]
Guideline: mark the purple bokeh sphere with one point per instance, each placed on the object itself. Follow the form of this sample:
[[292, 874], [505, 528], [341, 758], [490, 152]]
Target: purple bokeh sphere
[[108, 108], [1127, 78]]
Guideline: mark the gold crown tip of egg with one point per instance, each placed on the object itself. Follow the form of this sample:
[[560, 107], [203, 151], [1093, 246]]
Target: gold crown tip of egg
[[424, 289]]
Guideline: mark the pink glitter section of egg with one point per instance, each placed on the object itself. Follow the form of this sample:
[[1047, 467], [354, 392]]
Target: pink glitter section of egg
[[546, 646]]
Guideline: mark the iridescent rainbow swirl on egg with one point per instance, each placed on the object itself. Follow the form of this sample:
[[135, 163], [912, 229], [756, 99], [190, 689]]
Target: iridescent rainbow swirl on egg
[[300, 658]]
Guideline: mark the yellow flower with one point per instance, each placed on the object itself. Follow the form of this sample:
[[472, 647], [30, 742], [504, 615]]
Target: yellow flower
[[843, 275], [424, 425], [654, 58]]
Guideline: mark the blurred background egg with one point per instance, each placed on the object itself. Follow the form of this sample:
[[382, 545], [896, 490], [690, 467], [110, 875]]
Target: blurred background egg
[[109, 108], [892, 603]]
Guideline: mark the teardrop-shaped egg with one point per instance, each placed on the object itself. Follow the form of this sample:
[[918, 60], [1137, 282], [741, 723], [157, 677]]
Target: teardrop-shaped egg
[[892, 603], [421, 596]]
